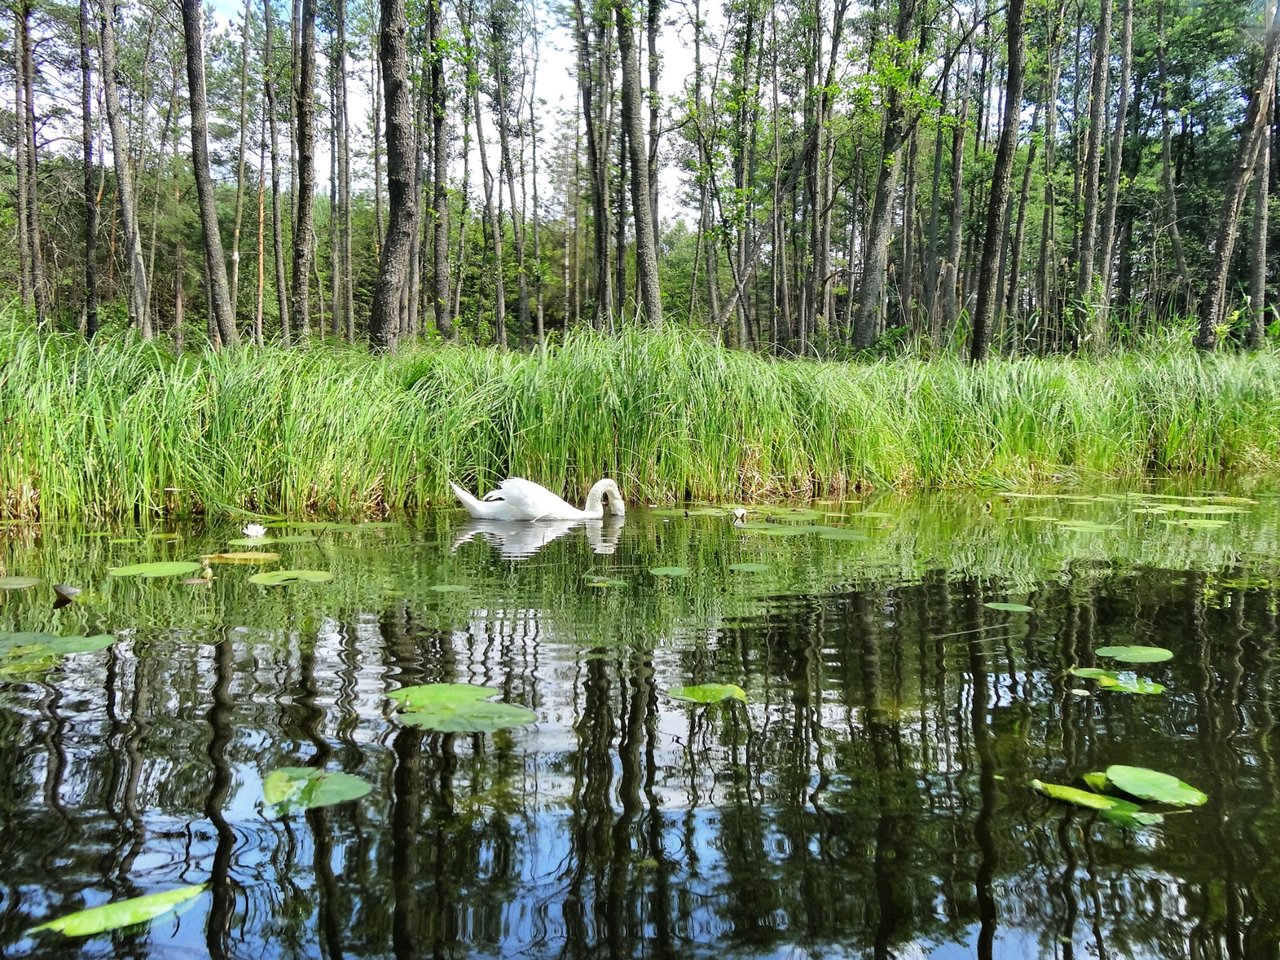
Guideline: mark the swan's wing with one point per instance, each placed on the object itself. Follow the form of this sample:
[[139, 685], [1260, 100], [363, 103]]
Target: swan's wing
[[527, 500]]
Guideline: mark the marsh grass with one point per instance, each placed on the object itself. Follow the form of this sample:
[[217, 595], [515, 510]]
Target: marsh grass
[[130, 428]]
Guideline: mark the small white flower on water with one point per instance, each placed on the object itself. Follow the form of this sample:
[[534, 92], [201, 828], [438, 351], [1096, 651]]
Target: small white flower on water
[[739, 514], [255, 530]]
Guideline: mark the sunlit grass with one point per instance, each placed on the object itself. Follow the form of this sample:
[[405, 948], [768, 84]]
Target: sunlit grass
[[120, 428]]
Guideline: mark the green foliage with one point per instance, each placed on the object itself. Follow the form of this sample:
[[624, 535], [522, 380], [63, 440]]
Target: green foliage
[[118, 428]]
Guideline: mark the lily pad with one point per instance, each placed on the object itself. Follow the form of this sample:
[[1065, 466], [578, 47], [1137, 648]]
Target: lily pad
[[1083, 798], [1093, 673], [18, 583], [750, 567], [241, 556], [166, 568], [1086, 526], [279, 578], [1138, 685], [599, 582], [1197, 523], [251, 541], [1136, 654], [123, 913], [458, 708], [670, 571], [449, 588], [708, 693], [1009, 607], [66, 645], [296, 538], [838, 534], [1154, 785], [292, 789], [775, 529]]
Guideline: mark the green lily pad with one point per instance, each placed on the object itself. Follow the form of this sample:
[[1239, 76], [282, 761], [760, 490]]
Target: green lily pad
[[599, 582], [292, 789], [1086, 526], [1083, 798], [251, 541], [279, 578], [1093, 673], [708, 693], [61, 646], [1197, 523], [1136, 654], [123, 913], [242, 556], [296, 538], [1205, 509], [18, 583], [775, 529], [1154, 785], [750, 567], [836, 533], [1138, 685], [166, 568], [1009, 607], [1097, 782], [458, 708], [448, 588], [670, 571]]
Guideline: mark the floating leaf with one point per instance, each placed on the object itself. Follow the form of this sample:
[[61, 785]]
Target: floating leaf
[[1136, 685], [1154, 785], [750, 567], [448, 588], [1009, 607], [242, 556], [1093, 673], [458, 708], [595, 580], [1086, 526], [66, 645], [775, 529], [291, 789], [279, 578], [251, 541], [1083, 798], [670, 571], [1128, 818], [1136, 654], [296, 538], [1097, 782], [123, 913], [18, 583], [835, 533], [167, 568], [1204, 509], [708, 693], [1197, 523]]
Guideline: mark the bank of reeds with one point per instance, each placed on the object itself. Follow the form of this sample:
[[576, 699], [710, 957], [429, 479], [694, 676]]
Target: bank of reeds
[[119, 428]]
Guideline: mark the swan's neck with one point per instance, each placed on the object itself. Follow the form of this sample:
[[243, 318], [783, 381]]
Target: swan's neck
[[595, 500]]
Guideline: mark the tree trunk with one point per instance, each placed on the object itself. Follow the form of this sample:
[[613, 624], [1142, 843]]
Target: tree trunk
[[138, 296], [402, 208], [440, 167], [1107, 240], [1087, 251], [1258, 249], [277, 233], [1001, 178], [304, 114], [20, 155], [641, 206], [26, 56], [1255, 128], [595, 114], [220, 297], [90, 193], [1167, 185], [244, 131]]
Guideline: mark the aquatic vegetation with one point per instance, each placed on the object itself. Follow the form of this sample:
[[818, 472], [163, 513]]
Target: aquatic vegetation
[[122, 913], [458, 708], [1136, 653], [288, 790], [280, 578], [17, 582], [30, 653], [707, 693], [1153, 785], [118, 429], [159, 568]]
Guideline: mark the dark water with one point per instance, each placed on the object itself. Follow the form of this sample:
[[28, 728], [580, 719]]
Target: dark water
[[871, 799]]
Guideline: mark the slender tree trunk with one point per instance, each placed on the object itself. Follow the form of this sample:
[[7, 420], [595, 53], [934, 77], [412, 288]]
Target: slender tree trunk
[[220, 296], [1001, 178], [304, 114], [1258, 249], [262, 230], [440, 166], [138, 296], [90, 193], [539, 319], [641, 206], [506, 170], [1085, 294], [494, 221], [593, 57], [1168, 187], [377, 148], [1046, 266], [35, 245], [1112, 196], [1255, 129], [20, 153], [402, 212], [344, 185], [277, 233], [244, 131]]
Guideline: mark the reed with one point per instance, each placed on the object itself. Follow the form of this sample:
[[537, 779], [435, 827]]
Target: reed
[[120, 428]]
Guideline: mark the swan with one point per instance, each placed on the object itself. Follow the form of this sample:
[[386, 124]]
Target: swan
[[519, 499]]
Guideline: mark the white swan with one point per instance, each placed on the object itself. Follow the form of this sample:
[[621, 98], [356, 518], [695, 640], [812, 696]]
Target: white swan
[[519, 499], [514, 539]]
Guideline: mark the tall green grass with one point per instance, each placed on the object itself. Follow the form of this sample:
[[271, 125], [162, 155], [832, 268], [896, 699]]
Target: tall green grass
[[123, 428]]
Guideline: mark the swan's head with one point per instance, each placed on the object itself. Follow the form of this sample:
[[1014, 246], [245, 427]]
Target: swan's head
[[606, 492]]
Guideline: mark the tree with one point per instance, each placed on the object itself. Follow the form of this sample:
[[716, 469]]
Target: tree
[[224, 320], [402, 210]]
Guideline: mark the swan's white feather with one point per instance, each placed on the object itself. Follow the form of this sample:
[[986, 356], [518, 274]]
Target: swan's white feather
[[520, 499]]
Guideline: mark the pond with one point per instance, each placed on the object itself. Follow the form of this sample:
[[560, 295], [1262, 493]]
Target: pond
[[898, 674]]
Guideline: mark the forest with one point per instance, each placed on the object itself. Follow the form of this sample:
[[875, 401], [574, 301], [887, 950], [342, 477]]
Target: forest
[[799, 177]]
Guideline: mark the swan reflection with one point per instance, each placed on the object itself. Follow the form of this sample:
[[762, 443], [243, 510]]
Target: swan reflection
[[523, 538]]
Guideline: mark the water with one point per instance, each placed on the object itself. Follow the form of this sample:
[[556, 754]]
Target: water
[[871, 799]]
